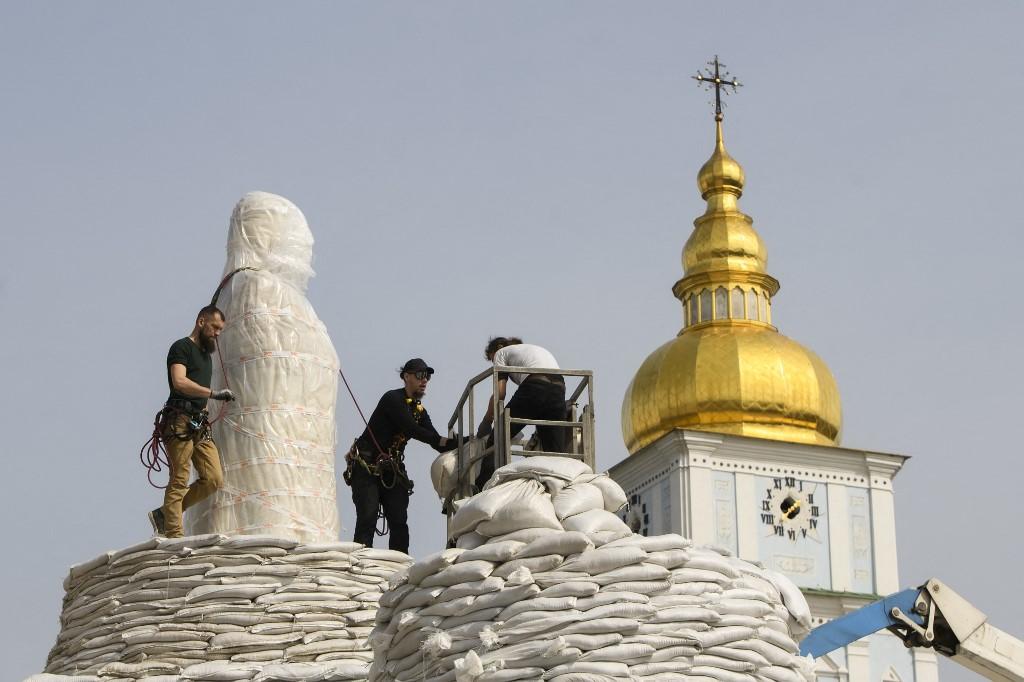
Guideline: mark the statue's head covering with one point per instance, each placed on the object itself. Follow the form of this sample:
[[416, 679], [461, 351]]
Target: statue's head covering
[[269, 233]]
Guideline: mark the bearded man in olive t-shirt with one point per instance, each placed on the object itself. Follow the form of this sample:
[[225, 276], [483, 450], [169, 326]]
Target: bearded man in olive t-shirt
[[186, 426]]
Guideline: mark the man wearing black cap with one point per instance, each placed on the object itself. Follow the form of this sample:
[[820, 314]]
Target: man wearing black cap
[[376, 462]]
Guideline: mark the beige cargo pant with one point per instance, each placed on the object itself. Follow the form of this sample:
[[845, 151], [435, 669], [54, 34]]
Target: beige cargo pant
[[179, 495]]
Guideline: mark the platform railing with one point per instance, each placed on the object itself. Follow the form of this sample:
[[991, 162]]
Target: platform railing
[[470, 450]]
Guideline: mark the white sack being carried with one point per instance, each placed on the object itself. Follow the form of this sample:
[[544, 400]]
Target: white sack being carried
[[580, 597], [277, 440]]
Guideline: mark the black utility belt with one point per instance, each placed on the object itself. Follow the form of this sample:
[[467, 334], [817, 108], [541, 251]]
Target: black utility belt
[[186, 406], [372, 456]]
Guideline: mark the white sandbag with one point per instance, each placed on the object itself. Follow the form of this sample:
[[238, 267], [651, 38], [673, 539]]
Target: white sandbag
[[570, 589], [605, 559], [590, 667], [731, 664], [590, 642], [468, 668], [230, 591], [496, 552], [563, 543], [527, 535], [577, 498], [674, 668], [218, 671], [792, 598], [539, 467], [532, 514], [619, 652], [595, 520], [489, 584], [642, 572], [603, 598], [469, 571], [538, 604], [503, 598], [506, 508], [719, 674], [443, 473], [311, 672], [742, 607], [596, 627], [654, 543], [470, 540], [712, 562], [539, 564], [139, 669], [613, 494], [510, 674], [483, 616], [432, 564], [782, 641]]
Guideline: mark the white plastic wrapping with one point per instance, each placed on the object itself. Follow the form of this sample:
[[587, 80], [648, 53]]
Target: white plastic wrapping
[[277, 440]]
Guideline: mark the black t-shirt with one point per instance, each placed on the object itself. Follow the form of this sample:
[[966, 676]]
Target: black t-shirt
[[396, 419], [198, 368]]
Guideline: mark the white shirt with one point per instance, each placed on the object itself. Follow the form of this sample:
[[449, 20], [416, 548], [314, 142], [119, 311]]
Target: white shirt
[[524, 355]]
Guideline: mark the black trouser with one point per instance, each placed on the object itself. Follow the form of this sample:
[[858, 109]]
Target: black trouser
[[536, 398], [368, 495]]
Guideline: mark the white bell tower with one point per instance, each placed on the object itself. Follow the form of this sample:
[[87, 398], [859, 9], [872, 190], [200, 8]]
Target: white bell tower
[[824, 516]]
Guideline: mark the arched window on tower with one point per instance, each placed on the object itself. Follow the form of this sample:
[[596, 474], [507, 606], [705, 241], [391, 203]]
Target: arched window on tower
[[764, 310], [752, 301], [721, 303], [737, 303], [691, 310], [705, 305]]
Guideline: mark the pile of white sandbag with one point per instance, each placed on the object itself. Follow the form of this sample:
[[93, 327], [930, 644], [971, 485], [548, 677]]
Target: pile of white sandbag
[[213, 607], [546, 582]]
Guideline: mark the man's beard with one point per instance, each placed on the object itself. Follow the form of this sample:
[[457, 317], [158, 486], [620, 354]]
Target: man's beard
[[207, 343], [418, 393]]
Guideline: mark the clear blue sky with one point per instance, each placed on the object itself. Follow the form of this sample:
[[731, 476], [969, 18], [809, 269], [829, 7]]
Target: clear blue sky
[[471, 169]]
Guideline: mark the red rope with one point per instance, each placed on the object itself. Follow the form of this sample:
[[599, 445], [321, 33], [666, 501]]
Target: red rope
[[153, 454], [380, 450]]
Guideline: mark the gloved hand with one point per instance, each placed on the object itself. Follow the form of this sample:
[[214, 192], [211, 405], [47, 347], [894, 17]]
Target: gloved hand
[[484, 429], [222, 394]]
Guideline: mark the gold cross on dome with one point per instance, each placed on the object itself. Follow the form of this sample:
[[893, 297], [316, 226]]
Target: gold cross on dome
[[717, 79]]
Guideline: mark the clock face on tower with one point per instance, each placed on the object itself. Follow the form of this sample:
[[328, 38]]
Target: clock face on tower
[[790, 511]]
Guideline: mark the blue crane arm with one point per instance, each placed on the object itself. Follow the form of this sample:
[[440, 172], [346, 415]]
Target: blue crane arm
[[859, 623]]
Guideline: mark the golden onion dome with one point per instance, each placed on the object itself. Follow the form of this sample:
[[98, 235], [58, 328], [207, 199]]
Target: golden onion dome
[[721, 171], [749, 381], [729, 370]]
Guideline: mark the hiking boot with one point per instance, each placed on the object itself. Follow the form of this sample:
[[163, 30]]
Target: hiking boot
[[156, 517]]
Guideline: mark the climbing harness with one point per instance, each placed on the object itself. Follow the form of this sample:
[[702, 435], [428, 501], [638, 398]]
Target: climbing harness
[[153, 454], [388, 463]]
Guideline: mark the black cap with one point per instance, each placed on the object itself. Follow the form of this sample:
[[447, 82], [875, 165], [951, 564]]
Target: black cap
[[417, 365]]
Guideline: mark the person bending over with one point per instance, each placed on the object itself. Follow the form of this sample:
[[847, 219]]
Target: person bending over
[[538, 396]]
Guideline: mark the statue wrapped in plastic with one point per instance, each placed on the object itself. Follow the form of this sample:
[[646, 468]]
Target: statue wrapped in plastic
[[277, 440]]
